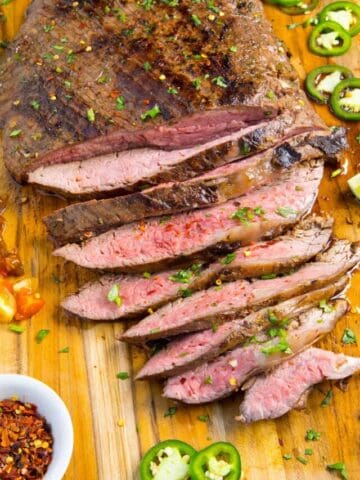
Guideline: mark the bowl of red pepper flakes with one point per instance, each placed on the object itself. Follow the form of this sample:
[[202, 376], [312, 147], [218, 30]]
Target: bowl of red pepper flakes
[[36, 432]]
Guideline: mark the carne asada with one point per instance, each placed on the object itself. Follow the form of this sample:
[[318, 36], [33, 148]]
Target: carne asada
[[195, 348], [141, 292], [211, 307], [276, 393], [226, 374], [152, 243], [82, 221], [73, 84]]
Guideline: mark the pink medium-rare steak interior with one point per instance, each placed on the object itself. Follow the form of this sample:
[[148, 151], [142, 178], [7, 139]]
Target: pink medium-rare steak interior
[[274, 394], [152, 241], [231, 370]]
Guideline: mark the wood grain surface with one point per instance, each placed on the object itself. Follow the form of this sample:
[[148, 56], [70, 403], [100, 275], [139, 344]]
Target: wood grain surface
[[116, 421]]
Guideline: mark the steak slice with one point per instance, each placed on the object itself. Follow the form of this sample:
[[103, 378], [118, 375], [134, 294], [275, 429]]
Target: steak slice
[[190, 350], [153, 243], [139, 294], [276, 393], [82, 221], [211, 307], [77, 72], [226, 374]]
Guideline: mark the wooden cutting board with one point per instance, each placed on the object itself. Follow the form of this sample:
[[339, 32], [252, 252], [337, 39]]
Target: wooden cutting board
[[117, 421]]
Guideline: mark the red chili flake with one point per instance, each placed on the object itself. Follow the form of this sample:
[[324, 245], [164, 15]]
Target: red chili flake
[[26, 443]]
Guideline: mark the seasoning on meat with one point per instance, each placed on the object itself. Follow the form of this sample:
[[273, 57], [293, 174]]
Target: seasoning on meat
[[26, 442]]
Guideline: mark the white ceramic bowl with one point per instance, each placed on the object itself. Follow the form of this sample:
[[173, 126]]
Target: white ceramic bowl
[[53, 409]]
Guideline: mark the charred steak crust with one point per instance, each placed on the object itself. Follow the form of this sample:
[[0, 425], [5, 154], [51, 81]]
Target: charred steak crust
[[71, 64]]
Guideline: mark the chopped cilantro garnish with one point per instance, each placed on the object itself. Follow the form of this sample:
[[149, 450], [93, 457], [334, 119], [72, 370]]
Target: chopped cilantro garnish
[[113, 295], [16, 328], [184, 276], [220, 82], [35, 104], [197, 83], [15, 133], [233, 49], [282, 346], [327, 400], [312, 435], [170, 412], [196, 20], [287, 456], [325, 307], [41, 334], [147, 66], [172, 91], [120, 103], [302, 460], [208, 380], [349, 336], [122, 375], [308, 451], [268, 276], [230, 257], [152, 113], [48, 28], [185, 292], [90, 115], [64, 350], [147, 275], [339, 467], [203, 418], [247, 214]]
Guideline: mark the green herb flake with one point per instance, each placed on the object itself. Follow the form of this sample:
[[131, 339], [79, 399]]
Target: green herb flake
[[309, 451], [67, 83], [325, 307], [172, 91], [327, 399], [147, 66], [56, 279], [35, 104], [285, 212], [245, 148], [184, 276], [41, 334], [120, 103], [170, 412], [302, 460], [113, 295], [152, 113], [203, 418], [312, 435], [147, 4], [287, 456], [271, 95], [3, 43], [349, 337], [16, 328], [268, 276], [358, 138], [90, 115], [64, 350], [185, 292], [208, 380], [48, 28], [246, 214], [70, 57], [336, 173], [340, 468], [197, 83], [58, 48], [15, 133], [233, 49], [122, 375], [147, 275], [196, 20], [220, 82], [230, 257], [281, 347]]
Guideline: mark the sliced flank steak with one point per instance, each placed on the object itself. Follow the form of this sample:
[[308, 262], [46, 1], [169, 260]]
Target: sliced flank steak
[[226, 374], [190, 350], [81, 221], [274, 394], [141, 292], [153, 243], [208, 308]]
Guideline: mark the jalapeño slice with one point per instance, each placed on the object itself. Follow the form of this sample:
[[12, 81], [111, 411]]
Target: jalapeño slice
[[219, 460], [347, 14], [321, 81], [329, 39], [345, 100]]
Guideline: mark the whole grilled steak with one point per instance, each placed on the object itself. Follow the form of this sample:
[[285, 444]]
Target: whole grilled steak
[[97, 68], [190, 350], [82, 221], [276, 393], [155, 242], [140, 293], [213, 306], [226, 374]]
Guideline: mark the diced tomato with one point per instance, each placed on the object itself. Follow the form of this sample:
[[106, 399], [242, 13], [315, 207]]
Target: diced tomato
[[28, 304], [7, 304], [7, 283]]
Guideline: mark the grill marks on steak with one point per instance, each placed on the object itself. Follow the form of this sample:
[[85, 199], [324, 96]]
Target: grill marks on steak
[[82, 221], [276, 393], [190, 350], [307, 239], [152, 243], [114, 65], [230, 371], [213, 306]]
